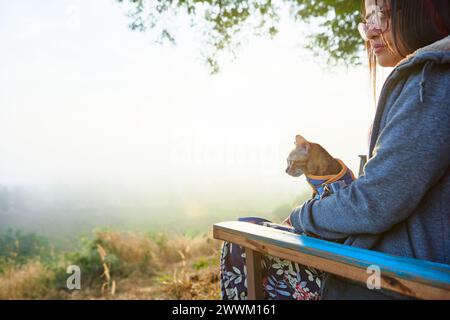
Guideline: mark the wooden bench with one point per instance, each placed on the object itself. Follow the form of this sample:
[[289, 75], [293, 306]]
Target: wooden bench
[[410, 277]]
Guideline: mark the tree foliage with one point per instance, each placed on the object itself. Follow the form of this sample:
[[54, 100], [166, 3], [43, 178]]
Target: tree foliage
[[224, 22]]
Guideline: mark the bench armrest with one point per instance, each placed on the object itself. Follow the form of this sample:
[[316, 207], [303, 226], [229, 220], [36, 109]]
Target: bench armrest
[[407, 276]]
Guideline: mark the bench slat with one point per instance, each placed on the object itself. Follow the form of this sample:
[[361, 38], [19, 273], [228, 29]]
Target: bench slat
[[412, 277], [254, 284]]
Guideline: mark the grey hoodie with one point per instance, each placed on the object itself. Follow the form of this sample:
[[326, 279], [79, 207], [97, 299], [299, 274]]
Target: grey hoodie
[[401, 203]]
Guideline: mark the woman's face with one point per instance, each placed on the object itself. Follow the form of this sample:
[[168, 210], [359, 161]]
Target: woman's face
[[382, 42]]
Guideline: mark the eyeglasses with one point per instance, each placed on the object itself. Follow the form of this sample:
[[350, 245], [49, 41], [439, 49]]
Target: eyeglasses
[[378, 21]]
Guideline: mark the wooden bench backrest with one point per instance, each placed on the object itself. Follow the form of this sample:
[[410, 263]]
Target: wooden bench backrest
[[411, 277]]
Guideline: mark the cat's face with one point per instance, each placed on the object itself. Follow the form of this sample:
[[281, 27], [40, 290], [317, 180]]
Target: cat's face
[[298, 158]]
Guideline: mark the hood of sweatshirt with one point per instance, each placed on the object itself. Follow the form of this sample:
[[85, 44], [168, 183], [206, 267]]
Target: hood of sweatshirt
[[422, 60], [435, 53]]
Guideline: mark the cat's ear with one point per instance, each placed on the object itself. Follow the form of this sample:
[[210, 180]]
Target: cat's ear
[[302, 143]]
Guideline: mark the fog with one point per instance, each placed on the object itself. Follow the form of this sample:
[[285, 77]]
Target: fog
[[101, 127]]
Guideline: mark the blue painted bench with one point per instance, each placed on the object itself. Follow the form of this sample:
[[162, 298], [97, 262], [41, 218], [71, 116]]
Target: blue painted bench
[[411, 277]]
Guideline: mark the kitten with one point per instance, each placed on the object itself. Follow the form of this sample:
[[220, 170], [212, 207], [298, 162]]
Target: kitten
[[319, 167], [311, 159]]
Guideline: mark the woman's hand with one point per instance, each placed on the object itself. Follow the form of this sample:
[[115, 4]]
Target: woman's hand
[[287, 222]]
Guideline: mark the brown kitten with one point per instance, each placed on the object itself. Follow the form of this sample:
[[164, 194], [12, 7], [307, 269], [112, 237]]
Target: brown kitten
[[311, 159]]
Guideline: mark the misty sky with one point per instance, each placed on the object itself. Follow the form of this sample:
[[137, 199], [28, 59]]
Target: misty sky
[[83, 98]]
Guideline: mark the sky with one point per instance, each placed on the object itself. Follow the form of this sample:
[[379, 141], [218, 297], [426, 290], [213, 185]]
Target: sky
[[83, 99]]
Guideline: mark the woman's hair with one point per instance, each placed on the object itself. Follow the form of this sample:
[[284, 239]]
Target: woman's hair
[[415, 24]]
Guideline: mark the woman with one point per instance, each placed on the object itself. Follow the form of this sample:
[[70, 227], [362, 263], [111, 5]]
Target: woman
[[400, 205]]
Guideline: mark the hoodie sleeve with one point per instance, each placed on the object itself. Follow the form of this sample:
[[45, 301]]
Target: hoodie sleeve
[[411, 153]]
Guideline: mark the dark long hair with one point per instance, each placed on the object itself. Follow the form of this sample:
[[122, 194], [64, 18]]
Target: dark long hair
[[415, 24]]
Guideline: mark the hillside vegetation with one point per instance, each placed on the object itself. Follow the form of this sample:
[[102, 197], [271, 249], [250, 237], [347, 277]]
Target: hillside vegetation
[[114, 265]]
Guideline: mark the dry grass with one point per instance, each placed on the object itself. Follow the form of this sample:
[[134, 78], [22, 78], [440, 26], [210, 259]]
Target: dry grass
[[30, 281], [192, 285], [135, 250], [165, 267], [172, 260], [182, 248]]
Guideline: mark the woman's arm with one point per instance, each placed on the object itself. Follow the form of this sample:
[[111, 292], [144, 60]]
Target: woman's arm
[[411, 154]]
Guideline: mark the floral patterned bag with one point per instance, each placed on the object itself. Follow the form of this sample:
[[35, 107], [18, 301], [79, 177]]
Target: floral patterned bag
[[282, 279]]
